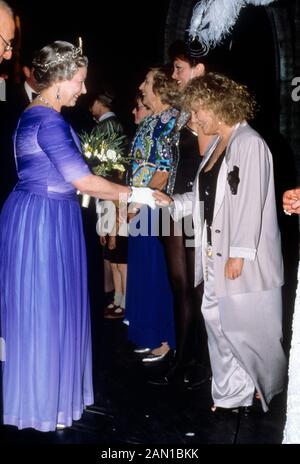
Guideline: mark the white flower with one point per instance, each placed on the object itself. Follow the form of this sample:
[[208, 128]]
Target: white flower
[[102, 156], [111, 155], [101, 151]]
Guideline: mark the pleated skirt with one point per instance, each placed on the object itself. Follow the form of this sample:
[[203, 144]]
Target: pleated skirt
[[45, 318]]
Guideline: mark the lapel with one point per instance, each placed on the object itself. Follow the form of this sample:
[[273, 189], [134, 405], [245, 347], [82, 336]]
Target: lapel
[[206, 157], [222, 178], [221, 185], [196, 207]]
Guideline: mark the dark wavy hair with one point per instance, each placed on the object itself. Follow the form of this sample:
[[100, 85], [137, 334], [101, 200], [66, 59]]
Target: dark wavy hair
[[180, 50], [58, 61]]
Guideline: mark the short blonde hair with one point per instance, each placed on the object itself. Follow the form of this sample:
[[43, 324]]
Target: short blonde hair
[[230, 101]]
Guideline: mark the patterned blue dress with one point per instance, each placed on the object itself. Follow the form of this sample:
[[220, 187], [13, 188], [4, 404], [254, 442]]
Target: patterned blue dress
[[45, 320], [149, 300]]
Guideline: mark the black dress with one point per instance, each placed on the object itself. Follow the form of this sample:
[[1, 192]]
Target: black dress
[[189, 161]]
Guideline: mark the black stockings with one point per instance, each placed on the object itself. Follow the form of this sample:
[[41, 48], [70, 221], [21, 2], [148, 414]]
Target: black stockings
[[189, 325]]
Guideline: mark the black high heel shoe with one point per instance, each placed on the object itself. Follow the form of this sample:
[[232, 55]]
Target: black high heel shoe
[[151, 357], [174, 376], [198, 376], [219, 410]]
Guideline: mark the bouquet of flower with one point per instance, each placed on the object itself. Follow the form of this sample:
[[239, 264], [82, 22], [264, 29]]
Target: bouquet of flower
[[103, 151]]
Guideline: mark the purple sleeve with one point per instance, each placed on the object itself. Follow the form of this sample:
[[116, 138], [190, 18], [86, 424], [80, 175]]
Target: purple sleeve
[[56, 140]]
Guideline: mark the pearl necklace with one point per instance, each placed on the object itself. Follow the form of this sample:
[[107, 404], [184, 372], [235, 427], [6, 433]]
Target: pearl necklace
[[44, 100]]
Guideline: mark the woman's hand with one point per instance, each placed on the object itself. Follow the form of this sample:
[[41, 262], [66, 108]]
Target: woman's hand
[[296, 207], [111, 243], [102, 240], [233, 268], [142, 195], [162, 199], [291, 201], [121, 215], [133, 210]]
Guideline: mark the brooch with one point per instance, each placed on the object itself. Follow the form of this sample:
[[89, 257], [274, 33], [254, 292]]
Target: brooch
[[233, 180]]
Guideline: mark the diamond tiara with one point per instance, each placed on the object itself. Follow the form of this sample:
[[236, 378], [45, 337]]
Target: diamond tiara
[[60, 58]]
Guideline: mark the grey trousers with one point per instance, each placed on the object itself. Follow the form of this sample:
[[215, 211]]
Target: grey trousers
[[244, 340]]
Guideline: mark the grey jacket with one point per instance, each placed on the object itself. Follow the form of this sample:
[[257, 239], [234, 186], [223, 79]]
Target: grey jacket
[[244, 224]]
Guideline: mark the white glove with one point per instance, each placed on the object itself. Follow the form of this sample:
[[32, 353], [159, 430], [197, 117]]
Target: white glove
[[142, 195]]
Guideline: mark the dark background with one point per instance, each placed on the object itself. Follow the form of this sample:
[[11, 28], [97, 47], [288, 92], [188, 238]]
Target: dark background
[[120, 39]]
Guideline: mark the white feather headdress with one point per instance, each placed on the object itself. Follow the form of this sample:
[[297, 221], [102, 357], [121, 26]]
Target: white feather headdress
[[212, 20]]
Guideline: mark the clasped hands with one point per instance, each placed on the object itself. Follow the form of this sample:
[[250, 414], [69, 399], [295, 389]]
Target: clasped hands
[[233, 266], [291, 201], [147, 196]]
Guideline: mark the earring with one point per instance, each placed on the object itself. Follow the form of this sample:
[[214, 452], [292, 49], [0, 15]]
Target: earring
[[220, 122], [58, 94]]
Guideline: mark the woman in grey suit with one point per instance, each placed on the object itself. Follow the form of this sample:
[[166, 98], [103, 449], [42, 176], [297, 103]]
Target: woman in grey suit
[[238, 252]]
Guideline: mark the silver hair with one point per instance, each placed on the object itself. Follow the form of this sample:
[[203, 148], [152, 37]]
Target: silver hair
[[57, 61], [5, 6]]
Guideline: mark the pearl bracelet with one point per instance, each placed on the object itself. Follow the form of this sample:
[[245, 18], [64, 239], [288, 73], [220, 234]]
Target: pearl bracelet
[[129, 194]]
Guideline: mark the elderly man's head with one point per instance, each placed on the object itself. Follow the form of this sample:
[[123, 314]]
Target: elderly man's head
[[7, 31]]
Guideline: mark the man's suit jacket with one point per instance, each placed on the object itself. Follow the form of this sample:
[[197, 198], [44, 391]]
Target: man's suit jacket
[[17, 101]]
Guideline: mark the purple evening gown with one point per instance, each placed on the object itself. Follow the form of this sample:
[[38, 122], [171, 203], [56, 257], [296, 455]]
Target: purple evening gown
[[45, 320]]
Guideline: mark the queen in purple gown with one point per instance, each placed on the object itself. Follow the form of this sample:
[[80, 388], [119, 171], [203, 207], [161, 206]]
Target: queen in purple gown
[[45, 320]]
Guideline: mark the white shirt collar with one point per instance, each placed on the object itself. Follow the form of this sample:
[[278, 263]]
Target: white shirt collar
[[109, 114], [29, 90]]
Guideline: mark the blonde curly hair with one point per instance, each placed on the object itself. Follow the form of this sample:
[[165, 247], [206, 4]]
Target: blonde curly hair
[[230, 101]]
